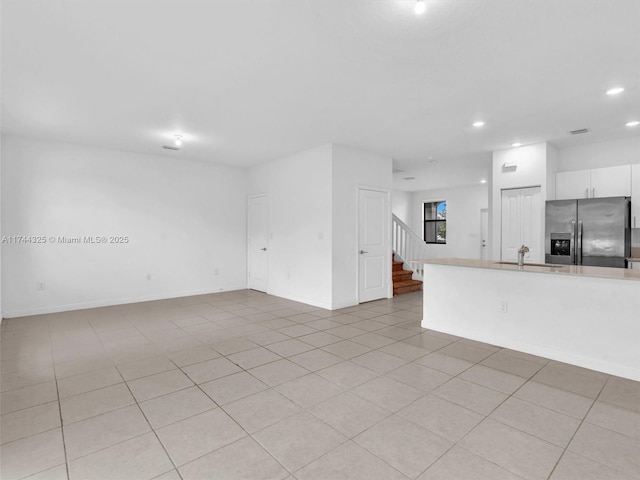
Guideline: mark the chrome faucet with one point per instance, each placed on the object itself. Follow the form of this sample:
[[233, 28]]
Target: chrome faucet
[[523, 249]]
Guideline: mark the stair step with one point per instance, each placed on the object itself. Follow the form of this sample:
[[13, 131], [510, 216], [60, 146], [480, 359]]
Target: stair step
[[407, 286], [397, 265], [400, 291], [401, 275], [407, 283], [402, 279]]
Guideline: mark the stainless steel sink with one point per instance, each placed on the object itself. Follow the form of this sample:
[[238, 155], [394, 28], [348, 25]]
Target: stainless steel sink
[[526, 264]]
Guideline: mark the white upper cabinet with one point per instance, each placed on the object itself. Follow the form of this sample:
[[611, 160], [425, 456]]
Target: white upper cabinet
[[576, 184], [611, 182], [635, 197], [595, 183]]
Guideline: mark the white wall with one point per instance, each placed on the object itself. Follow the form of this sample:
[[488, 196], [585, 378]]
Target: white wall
[[463, 219], [313, 208], [299, 198], [352, 168], [625, 151], [401, 205], [1, 305], [184, 220], [534, 165]]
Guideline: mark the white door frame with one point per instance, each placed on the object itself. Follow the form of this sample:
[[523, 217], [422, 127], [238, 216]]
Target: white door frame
[[387, 236], [484, 249], [249, 198]]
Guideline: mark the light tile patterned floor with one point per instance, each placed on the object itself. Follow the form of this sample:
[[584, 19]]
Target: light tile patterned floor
[[242, 385]]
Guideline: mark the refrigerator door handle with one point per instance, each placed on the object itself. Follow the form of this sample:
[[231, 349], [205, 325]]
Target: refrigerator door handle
[[579, 252], [572, 251]]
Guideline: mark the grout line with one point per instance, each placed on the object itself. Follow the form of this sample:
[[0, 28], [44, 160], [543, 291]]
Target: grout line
[[152, 429], [582, 421], [64, 443]]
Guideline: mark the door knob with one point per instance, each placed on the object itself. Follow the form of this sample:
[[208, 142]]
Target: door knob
[[264, 249], [362, 251]]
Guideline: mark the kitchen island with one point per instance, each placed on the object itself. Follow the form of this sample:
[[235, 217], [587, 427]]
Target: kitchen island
[[585, 316]]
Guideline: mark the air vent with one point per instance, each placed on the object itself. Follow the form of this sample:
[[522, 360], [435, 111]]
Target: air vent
[[397, 170], [409, 178], [169, 147], [579, 132]]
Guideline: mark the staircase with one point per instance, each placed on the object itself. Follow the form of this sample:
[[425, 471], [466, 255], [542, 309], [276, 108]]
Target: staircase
[[408, 246], [402, 279]]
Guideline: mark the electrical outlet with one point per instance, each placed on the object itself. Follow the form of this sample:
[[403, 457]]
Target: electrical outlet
[[40, 286], [504, 305], [148, 277]]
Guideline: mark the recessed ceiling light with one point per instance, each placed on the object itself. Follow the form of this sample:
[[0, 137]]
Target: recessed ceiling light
[[479, 123], [483, 181], [420, 7], [615, 91], [516, 144], [635, 123], [178, 140]]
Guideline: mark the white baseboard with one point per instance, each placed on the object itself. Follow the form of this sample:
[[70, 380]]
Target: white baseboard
[[344, 304], [307, 301], [116, 301]]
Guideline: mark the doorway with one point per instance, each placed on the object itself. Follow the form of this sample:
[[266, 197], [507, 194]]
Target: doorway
[[374, 250], [257, 243]]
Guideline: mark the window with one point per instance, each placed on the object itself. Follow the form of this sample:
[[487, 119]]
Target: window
[[435, 222]]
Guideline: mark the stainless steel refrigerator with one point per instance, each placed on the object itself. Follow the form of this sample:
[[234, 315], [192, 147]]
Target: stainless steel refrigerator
[[590, 231]]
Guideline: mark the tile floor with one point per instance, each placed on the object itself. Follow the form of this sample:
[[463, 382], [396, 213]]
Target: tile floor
[[242, 385]]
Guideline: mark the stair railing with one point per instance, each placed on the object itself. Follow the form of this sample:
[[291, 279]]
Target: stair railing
[[408, 246]]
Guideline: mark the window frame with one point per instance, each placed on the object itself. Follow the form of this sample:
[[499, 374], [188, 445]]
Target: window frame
[[435, 221]]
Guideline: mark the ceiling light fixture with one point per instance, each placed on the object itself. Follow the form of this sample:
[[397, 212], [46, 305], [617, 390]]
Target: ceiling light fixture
[[479, 123], [178, 140], [483, 181], [516, 144], [420, 7], [615, 91], [635, 123]]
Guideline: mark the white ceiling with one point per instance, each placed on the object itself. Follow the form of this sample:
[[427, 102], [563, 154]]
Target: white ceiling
[[247, 81]]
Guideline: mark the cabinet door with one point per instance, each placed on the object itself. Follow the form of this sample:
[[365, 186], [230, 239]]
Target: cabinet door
[[611, 182], [574, 184], [635, 196]]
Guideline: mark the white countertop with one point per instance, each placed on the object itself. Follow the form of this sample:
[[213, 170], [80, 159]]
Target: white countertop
[[577, 270]]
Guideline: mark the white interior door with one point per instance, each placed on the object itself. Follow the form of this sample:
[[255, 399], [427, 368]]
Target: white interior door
[[521, 223], [484, 232], [257, 236], [373, 245]]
